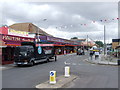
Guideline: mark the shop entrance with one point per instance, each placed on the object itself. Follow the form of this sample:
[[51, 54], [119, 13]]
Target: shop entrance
[[7, 55]]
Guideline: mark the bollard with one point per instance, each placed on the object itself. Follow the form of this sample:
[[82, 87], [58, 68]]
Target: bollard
[[67, 71], [52, 77]]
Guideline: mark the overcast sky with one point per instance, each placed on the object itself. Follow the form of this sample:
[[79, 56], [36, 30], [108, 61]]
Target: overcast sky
[[65, 19]]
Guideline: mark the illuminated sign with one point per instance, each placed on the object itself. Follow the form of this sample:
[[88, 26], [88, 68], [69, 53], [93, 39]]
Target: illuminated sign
[[39, 50], [18, 33], [4, 30]]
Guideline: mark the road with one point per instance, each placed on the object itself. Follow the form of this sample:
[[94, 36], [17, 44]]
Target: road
[[90, 75]]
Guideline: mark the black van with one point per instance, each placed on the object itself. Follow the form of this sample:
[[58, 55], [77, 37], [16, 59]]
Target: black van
[[30, 53]]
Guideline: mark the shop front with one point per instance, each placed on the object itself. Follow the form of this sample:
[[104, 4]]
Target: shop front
[[9, 42]]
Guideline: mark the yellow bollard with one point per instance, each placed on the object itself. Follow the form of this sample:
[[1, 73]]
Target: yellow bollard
[[67, 71], [52, 77]]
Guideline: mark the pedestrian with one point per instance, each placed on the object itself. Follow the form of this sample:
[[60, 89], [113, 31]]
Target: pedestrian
[[96, 54], [82, 51], [64, 52], [91, 53]]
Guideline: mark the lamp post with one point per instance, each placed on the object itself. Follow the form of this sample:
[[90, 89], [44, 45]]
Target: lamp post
[[104, 41]]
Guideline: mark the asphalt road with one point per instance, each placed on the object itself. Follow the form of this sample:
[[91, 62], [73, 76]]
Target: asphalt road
[[90, 75]]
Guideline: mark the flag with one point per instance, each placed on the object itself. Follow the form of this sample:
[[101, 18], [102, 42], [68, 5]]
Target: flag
[[44, 19], [105, 20]]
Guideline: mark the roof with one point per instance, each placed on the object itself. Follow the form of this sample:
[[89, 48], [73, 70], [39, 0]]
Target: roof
[[29, 27]]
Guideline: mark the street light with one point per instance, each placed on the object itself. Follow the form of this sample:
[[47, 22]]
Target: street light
[[104, 41]]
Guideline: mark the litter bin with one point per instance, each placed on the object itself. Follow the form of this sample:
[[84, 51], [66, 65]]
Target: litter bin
[[118, 62]]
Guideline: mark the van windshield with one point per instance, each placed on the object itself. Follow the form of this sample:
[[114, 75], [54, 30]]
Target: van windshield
[[22, 49]]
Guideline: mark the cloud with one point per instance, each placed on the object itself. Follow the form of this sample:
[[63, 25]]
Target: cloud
[[66, 16]]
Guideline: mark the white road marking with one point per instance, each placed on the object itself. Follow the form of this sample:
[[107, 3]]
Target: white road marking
[[74, 64], [66, 63]]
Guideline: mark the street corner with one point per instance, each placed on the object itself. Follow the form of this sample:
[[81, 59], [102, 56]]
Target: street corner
[[61, 82]]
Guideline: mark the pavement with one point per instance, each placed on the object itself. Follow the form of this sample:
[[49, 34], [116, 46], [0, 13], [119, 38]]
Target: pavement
[[8, 66], [103, 60]]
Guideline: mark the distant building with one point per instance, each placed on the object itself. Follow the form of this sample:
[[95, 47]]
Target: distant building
[[109, 46], [115, 43], [84, 42]]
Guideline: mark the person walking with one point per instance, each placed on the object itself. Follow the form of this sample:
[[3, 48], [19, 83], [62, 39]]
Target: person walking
[[96, 54], [91, 53]]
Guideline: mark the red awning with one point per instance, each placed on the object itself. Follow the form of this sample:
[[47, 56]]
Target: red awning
[[49, 45], [13, 44], [70, 45]]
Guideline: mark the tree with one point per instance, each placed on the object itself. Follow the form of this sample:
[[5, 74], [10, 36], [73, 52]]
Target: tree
[[74, 38], [100, 43]]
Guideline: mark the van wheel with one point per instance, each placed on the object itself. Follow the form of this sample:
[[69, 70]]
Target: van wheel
[[32, 63], [48, 60], [18, 65], [55, 58]]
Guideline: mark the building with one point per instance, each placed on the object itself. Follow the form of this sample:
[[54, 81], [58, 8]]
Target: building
[[115, 43], [28, 27], [11, 38], [84, 42]]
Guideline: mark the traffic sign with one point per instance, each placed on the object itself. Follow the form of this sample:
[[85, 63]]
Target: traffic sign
[[52, 77], [51, 73]]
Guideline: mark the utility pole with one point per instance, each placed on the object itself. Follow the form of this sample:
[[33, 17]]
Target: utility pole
[[104, 41]]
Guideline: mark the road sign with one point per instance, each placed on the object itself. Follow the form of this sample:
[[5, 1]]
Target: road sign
[[52, 77], [51, 73]]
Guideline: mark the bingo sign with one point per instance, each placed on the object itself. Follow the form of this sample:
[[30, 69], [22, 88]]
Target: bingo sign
[[39, 49]]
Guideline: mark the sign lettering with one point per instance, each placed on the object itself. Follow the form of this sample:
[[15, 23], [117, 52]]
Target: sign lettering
[[14, 38]]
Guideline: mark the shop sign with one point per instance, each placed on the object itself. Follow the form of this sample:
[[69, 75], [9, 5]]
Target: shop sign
[[4, 30], [61, 40], [39, 50], [15, 38], [18, 33], [55, 39]]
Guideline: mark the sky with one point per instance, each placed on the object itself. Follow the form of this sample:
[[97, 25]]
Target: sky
[[65, 19]]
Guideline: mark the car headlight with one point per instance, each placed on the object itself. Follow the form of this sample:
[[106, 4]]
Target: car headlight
[[25, 54]]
